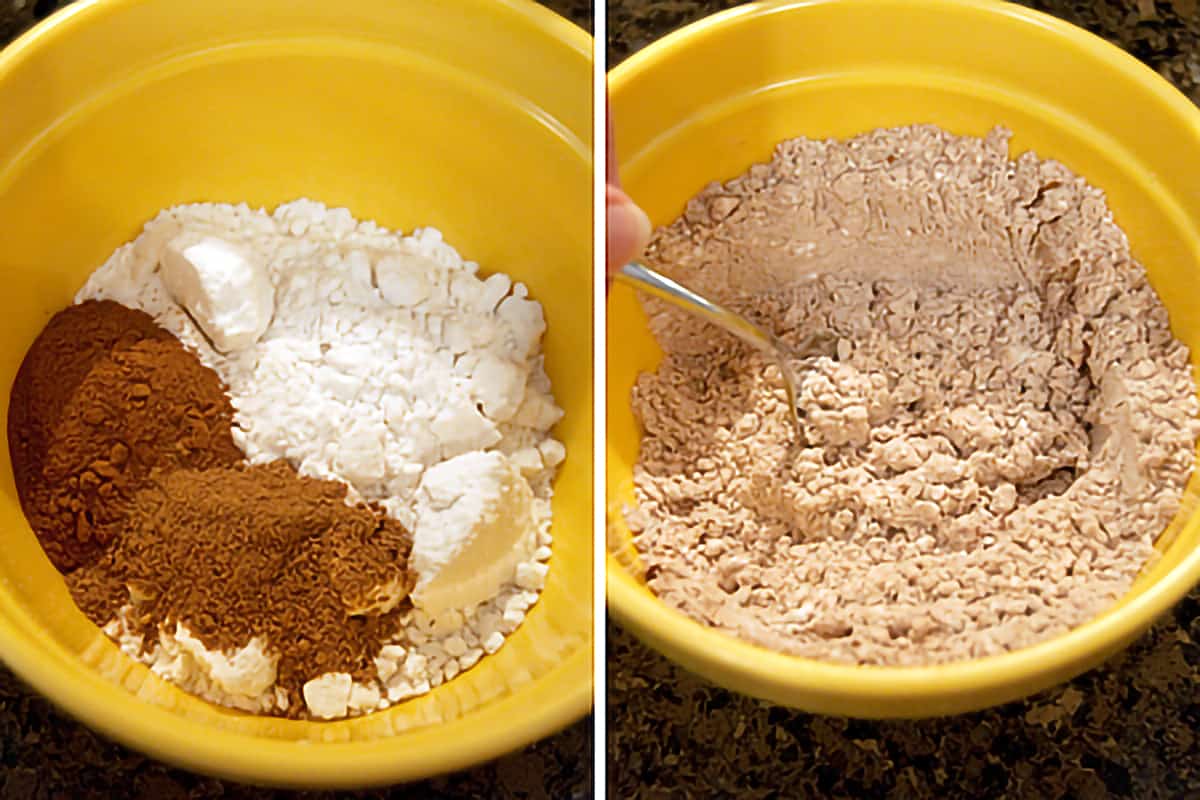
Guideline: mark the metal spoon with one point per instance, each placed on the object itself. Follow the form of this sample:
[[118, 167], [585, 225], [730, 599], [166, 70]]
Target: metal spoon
[[655, 283]]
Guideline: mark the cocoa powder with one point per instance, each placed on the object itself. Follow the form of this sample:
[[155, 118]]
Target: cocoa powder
[[248, 551], [103, 398]]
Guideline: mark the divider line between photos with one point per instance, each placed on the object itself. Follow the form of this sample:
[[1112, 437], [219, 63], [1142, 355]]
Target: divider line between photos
[[599, 169]]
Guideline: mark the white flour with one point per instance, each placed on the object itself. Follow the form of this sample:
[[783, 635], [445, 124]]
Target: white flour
[[387, 355]]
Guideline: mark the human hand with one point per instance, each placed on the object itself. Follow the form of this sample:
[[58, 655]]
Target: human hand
[[628, 227]]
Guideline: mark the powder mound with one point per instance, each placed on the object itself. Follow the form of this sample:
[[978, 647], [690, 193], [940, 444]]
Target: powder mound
[[1007, 426], [283, 557], [122, 443], [388, 354], [103, 398]]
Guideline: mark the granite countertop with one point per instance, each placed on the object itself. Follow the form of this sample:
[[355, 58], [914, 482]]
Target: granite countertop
[[46, 754], [1129, 729]]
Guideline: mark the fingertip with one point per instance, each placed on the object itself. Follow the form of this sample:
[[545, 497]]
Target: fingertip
[[629, 230]]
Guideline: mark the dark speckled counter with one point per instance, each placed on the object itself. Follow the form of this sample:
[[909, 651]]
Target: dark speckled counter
[[1128, 730], [46, 755]]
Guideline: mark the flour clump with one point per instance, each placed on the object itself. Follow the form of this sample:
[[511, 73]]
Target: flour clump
[[474, 527]]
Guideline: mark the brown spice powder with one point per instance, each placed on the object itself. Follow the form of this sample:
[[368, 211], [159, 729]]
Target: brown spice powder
[[103, 398], [251, 551], [126, 468]]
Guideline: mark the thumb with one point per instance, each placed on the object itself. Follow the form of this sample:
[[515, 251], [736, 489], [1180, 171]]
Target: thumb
[[628, 229]]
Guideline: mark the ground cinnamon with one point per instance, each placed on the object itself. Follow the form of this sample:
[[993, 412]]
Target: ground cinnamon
[[122, 448], [104, 397], [250, 551]]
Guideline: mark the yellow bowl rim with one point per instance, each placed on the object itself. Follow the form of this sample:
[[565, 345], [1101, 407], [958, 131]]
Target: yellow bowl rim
[[241, 757], [781, 674]]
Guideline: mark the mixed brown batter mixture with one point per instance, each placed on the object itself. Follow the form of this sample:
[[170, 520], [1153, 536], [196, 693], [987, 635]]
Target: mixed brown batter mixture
[[1007, 426]]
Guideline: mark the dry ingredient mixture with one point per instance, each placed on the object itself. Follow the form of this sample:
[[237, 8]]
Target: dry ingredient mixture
[[1006, 427], [296, 463]]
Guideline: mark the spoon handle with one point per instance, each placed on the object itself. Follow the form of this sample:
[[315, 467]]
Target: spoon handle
[[655, 283]]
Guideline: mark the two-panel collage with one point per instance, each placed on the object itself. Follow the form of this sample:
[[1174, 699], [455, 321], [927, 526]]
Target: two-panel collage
[[633, 399]]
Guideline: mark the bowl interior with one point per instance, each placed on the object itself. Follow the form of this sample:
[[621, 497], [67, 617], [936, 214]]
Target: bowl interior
[[707, 103], [403, 114]]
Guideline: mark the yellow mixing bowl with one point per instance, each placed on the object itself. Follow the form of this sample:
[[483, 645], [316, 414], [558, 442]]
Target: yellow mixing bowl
[[710, 100], [473, 116]]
